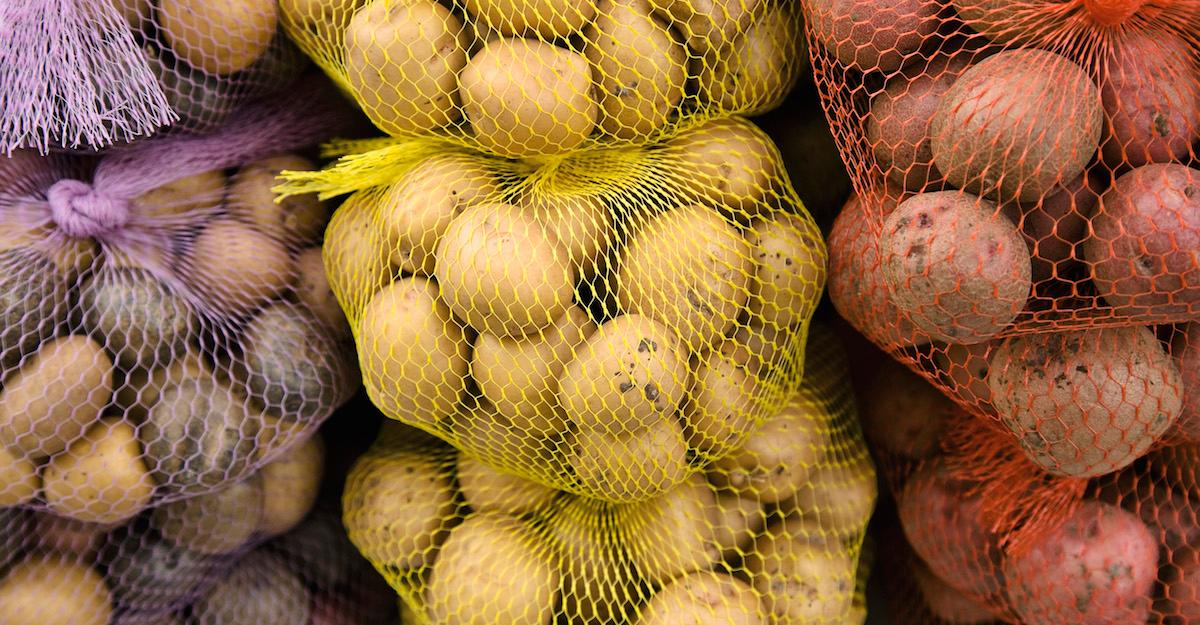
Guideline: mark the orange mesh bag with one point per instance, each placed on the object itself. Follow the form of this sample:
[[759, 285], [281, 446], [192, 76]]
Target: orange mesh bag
[[772, 534]]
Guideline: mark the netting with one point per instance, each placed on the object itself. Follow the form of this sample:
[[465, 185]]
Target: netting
[[535, 77], [772, 534], [160, 337]]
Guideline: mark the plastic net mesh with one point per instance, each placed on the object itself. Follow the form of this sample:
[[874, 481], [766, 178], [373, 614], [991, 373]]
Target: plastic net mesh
[[772, 534], [166, 327], [532, 77], [90, 74]]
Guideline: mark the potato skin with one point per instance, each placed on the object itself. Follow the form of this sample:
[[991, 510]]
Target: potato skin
[[672, 533], [994, 135], [260, 590], [946, 602], [963, 370], [630, 465], [52, 589], [147, 573], [1145, 233], [598, 577], [1098, 567], [757, 69], [871, 35], [20, 479], [904, 415], [354, 256], [137, 318], [1055, 227], [956, 265], [101, 477], [214, 523], [290, 484], [1083, 403], [221, 37], [547, 19], [790, 270], [236, 268], [703, 598], [727, 163], [800, 578], [297, 220], [1185, 351], [489, 490], [722, 405], [707, 25]]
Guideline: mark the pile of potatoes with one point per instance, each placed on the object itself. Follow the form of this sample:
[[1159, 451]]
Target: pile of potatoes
[[769, 534], [1027, 222], [527, 78], [165, 364], [603, 341]]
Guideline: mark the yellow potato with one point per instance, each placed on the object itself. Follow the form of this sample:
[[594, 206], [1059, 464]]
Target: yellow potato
[[759, 348], [413, 354], [703, 598], [296, 220], [672, 534], [839, 498], [722, 405], [689, 269], [708, 24], [631, 373], [626, 466], [415, 211], [205, 190], [219, 36], [491, 570], [548, 19], [290, 485], [790, 275], [801, 580], [520, 376], [484, 433], [402, 61], [236, 268], [582, 223], [599, 583], [738, 519], [135, 12], [53, 590], [55, 534], [141, 388], [756, 70], [486, 489], [19, 478], [318, 11], [101, 478], [728, 163], [501, 273], [55, 396], [313, 291], [70, 255], [639, 68], [398, 507], [526, 97], [214, 523]]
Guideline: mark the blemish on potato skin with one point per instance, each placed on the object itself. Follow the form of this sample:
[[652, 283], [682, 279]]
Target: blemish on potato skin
[[1160, 125]]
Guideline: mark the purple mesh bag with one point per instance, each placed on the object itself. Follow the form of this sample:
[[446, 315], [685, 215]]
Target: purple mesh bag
[[90, 74]]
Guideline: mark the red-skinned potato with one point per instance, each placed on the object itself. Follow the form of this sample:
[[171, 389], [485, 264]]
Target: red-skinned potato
[[872, 35], [904, 414]]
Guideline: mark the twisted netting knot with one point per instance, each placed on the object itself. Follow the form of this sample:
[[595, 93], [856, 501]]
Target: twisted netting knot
[[82, 211]]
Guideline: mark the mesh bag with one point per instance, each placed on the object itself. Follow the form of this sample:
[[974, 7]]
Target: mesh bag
[[538, 77], [772, 534], [167, 327], [90, 74], [603, 324]]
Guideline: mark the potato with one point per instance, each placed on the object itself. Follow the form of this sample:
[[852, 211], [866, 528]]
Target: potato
[[141, 388], [629, 465], [869, 35], [70, 256], [413, 354], [1185, 352], [703, 598], [707, 25], [689, 269], [296, 220], [776, 460], [898, 125], [946, 602], [755, 71], [1144, 235], [198, 435], [290, 484], [801, 580], [1084, 403], [101, 478], [221, 37], [501, 273], [545, 19], [53, 590], [942, 519], [149, 574], [640, 70], [1055, 227], [214, 523], [237, 268], [19, 476], [1097, 567], [487, 489], [582, 223], [629, 374], [190, 194], [476, 428], [526, 97], [1151, 100], [397, 508], [314, 292], [955, 265], [520, 377], [599, 583], [839, 498], [857, 288], [672, 533], [790, 270], [727, 163], [202, 101], [318, 549], [1015, 124], [415, 210], [33, 301], [963, 370], [1001, 21], [260, 590], [137, 318], [723, 404], [291, 366], [57, 393], [738, 519], [354, 256], [1166, 508], [468, 587], [903, 414], [760, 349]]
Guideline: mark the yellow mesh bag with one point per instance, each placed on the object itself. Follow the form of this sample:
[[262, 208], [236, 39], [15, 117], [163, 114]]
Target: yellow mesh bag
[[519, 78], [772, 534], [604, 323]]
